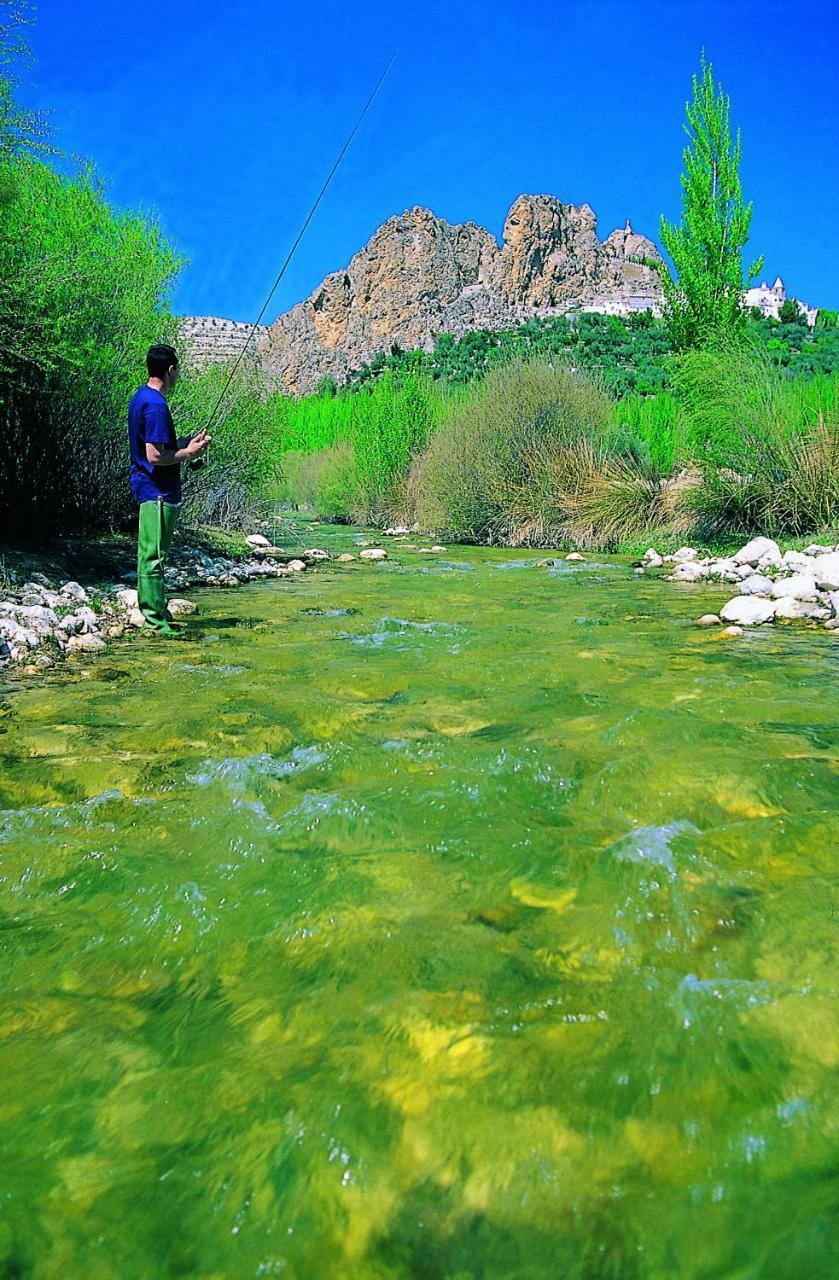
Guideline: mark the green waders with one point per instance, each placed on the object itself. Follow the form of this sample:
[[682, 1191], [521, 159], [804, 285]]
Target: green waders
[[155, 533]]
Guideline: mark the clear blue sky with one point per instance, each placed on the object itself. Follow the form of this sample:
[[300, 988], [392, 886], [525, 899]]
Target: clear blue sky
[[225, 119]]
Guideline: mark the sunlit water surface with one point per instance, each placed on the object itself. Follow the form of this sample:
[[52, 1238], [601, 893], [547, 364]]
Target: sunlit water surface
[[450, 918]]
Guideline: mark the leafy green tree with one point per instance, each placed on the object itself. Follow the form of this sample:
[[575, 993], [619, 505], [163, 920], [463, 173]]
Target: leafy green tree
[[83, 293], [790, 312], [703, 301]]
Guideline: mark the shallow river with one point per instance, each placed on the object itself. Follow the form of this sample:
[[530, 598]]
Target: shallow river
[[452, 918]]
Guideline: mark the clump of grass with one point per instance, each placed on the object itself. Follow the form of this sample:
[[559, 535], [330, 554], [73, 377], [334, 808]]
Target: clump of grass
[[484, 476], [767, 450]]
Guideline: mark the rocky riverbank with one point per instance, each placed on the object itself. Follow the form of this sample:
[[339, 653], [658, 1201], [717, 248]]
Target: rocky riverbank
[[772, 585], [44, 619]]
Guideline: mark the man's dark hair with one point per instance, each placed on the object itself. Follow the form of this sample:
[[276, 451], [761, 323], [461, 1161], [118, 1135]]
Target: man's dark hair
[[160, 360]]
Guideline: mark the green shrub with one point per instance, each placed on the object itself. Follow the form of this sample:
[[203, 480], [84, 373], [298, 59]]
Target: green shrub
[[768, 448], [483, 476]]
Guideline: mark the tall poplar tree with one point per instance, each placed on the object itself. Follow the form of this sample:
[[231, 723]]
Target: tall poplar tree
[[704, 299]]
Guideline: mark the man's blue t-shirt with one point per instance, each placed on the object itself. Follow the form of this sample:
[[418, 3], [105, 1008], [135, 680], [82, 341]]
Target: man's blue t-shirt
[[150, 422]]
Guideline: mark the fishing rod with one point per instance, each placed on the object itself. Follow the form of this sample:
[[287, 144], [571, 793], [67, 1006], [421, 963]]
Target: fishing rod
[[300, 235]]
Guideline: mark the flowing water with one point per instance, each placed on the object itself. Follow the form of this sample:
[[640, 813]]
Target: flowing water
[[455, 917]]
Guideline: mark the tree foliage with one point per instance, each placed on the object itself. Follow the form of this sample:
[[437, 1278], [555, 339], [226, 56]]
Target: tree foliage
[[703, 301], [83, 293]]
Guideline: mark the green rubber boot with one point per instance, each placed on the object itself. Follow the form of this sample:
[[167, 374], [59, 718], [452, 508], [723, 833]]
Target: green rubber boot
[[154, 538]]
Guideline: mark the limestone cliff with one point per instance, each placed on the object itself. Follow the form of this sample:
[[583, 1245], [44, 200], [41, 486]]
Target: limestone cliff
[[419, 276]]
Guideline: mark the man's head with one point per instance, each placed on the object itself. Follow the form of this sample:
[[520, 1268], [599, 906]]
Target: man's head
[[162, 363]]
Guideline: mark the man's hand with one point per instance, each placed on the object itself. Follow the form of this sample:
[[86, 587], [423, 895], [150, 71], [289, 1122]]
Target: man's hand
[[196, 446]]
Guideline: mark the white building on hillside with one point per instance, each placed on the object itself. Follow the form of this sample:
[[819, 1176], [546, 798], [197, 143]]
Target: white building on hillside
[[769, 301]]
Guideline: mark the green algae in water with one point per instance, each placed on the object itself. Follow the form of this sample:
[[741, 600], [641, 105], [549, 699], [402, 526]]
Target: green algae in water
[[423, 928]]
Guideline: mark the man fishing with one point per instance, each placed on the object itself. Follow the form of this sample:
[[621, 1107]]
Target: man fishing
[[156, 457]]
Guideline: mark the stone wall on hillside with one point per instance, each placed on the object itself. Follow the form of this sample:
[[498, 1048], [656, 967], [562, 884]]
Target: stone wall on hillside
[[213, 340]]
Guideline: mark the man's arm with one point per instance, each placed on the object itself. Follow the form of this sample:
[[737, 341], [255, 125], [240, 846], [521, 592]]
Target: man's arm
[[160, 455]]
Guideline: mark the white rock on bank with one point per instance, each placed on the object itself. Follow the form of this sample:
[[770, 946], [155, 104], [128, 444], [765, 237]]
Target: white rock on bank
[[799, 587], [127, 597], [797, 560], [74, 591], [816, 549], [682, 555], [789, 608], [374, 553], [346, 557], [651, 559], [826, 571], [748, 611], [316, 553], [833, 603], [756, 585], [688, 571], [257, 540], [87, 618], [296, 566], [720, 568], [756, 550]]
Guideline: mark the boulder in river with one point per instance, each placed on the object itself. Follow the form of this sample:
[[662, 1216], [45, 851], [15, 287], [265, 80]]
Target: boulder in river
[[788, 609], [86, 643], [374, 553], [748, 611]]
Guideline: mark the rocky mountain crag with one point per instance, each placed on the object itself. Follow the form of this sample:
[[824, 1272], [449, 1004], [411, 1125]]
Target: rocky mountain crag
[[419, 276]]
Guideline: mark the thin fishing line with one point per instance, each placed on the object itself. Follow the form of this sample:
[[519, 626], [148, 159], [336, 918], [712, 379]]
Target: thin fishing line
[[300, 235]]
